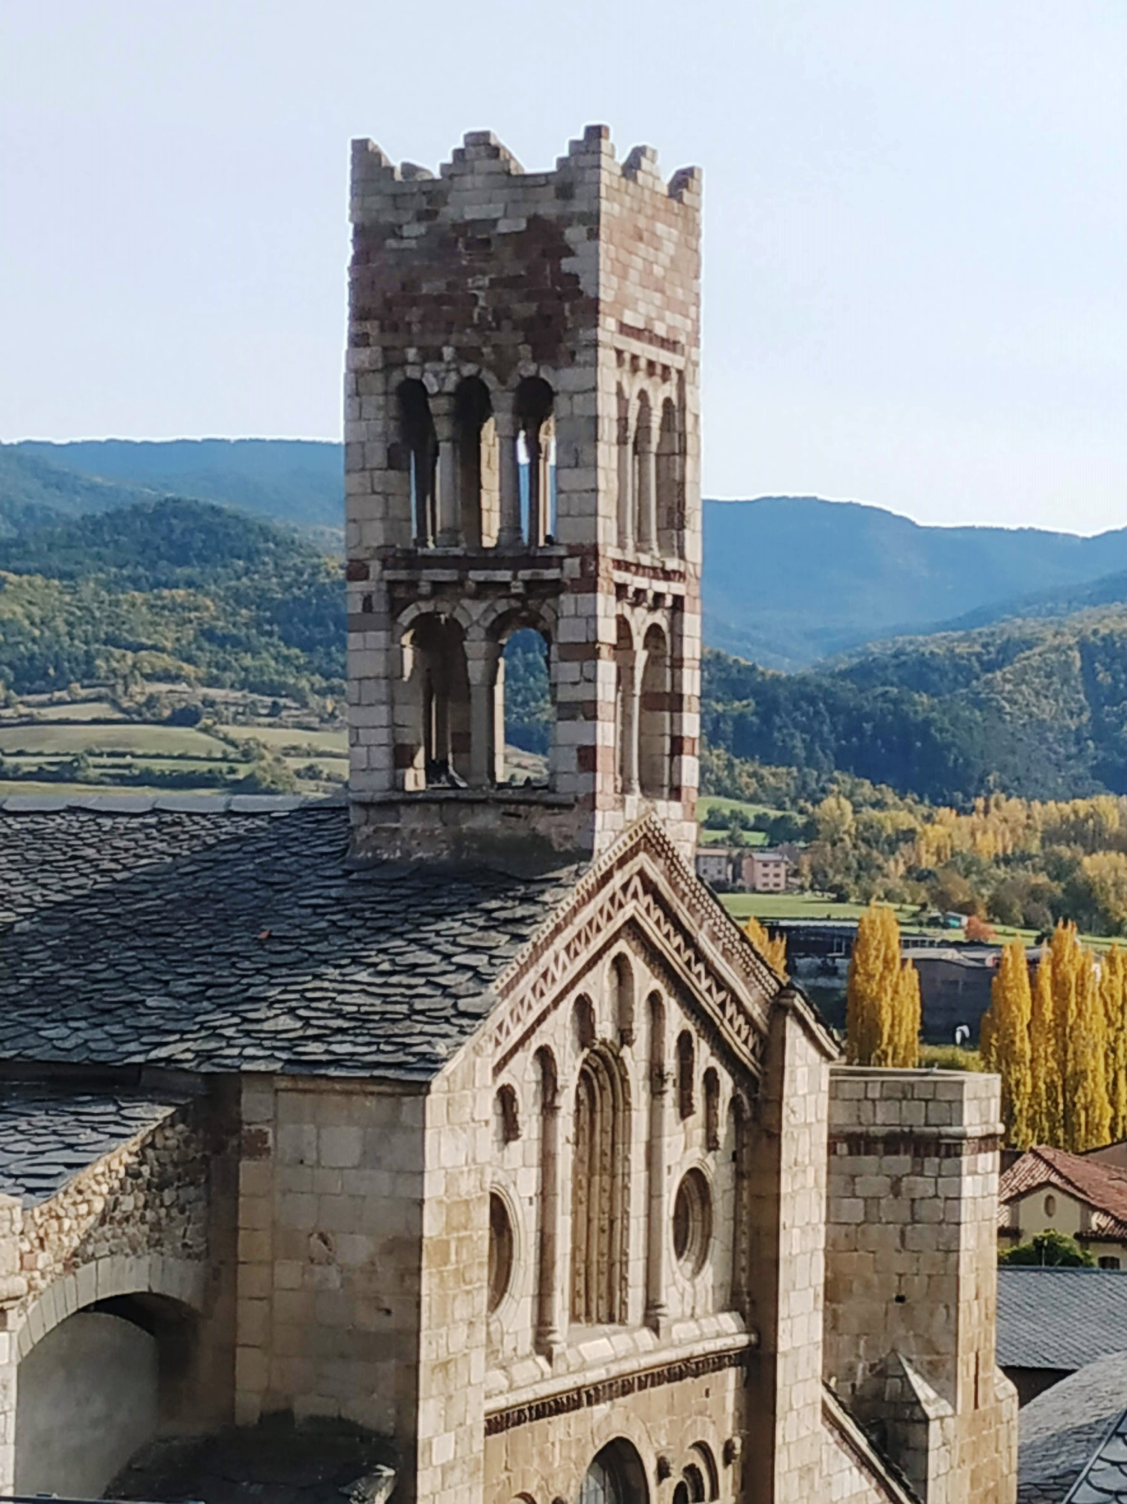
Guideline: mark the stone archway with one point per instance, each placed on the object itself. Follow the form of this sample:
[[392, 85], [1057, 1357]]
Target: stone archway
[[105, 1347]]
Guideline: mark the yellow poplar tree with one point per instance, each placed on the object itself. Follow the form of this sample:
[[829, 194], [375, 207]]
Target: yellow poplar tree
[[774, 952], [882, 996], [1045, 1116], [1005, 1042], [1087, 1109], [1113, 994], [906, 1022]]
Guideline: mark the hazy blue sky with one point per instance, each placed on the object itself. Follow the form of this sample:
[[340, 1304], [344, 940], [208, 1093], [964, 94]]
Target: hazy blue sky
[[916, 216]]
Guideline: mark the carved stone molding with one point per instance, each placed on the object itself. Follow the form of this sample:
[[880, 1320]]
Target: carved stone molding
[[585, 1396]]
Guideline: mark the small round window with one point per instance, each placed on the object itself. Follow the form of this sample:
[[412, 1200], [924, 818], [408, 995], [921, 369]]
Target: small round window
[[1050, 1206], [692, 1222], [500, 1250]]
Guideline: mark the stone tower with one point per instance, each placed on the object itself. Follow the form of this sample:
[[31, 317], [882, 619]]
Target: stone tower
[[522, 451]]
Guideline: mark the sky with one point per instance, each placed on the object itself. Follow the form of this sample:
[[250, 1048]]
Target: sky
[[915, 220]]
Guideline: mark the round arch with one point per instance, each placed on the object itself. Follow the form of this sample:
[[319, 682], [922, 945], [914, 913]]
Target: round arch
[[616, 1475]]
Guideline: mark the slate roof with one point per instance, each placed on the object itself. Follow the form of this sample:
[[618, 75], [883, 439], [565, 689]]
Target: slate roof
[[226, 941], [1104, 1480], [47, 1137], [1063, 1429], [1101, 1185], [1060, 1318]]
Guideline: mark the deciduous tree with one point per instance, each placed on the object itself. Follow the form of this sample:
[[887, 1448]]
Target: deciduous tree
[[1005, 1042], [774, 952], [882, 996]]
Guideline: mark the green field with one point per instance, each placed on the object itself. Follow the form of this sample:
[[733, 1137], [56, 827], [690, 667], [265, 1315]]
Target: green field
[[809, 906], [80, 710], [294, 739], [62, 739]]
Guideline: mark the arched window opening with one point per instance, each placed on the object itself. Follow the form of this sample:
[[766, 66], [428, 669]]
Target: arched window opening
[[654, 739], [711, 1109], [508, 1114], [657, 1040], [691, 1488], [432, 731], [479, 497], [625, 710], [622, 986], [501, 1250], [615, 1477], [670, 489], [536, 456], [584, 1022], [420, 440], [645, 478], [685, 1104], [625, 474], [525, 693], [599, 1192], [705, 1465]]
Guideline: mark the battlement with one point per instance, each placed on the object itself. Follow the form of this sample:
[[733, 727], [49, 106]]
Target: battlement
[[483, 159]]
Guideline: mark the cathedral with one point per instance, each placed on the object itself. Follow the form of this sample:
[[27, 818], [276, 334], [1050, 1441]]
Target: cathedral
[[459, 1115]]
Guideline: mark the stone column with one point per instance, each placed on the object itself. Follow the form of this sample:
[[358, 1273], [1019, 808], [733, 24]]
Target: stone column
[[449, 531], [647, 490], [549, 1340], [509, 534], [536, 497], [657, 1313], [485, 667], [625, 486], [632, 666]]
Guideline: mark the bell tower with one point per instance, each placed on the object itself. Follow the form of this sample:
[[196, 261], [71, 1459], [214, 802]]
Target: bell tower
[[522, 452]]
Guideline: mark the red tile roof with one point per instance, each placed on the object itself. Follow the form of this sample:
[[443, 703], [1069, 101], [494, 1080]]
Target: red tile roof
[[1102, 1186]]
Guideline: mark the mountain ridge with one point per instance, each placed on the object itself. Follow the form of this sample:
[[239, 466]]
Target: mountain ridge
[[788, 581]]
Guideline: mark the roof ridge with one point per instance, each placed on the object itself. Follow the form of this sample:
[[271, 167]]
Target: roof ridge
[[121, 802]]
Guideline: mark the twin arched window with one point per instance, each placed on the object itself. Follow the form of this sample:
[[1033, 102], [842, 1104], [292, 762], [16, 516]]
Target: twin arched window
[[651, 485]]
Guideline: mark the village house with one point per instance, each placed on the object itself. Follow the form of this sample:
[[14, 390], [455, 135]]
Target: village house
[[1081, 1195], [715, 865], [460, 1115], [763, 870]]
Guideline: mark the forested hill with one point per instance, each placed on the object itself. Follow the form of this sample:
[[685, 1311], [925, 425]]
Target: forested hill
[[169, 589], [787, 580], [1037, 708], [790, 580], [299, 481]]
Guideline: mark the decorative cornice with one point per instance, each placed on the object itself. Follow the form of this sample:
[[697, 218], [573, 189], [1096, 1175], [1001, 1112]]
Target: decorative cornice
[[585, 1396], [917, 1141], [643, 878]]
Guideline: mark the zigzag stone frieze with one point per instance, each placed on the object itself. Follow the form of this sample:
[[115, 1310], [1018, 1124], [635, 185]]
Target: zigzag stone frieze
[[642, 879]]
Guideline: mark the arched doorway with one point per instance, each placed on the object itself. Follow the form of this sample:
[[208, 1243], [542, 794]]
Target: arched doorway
[[616, 1476], [98, 1387]]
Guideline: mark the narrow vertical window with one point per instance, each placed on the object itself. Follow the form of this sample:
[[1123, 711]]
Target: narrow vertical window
[[685, 1068], [599, 1192], [711, 1109]]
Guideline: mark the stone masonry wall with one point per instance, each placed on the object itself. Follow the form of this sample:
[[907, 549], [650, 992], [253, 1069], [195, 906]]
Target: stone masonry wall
[[787, 1233], [330, 1220], [148, 1197], [911, 1275]]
